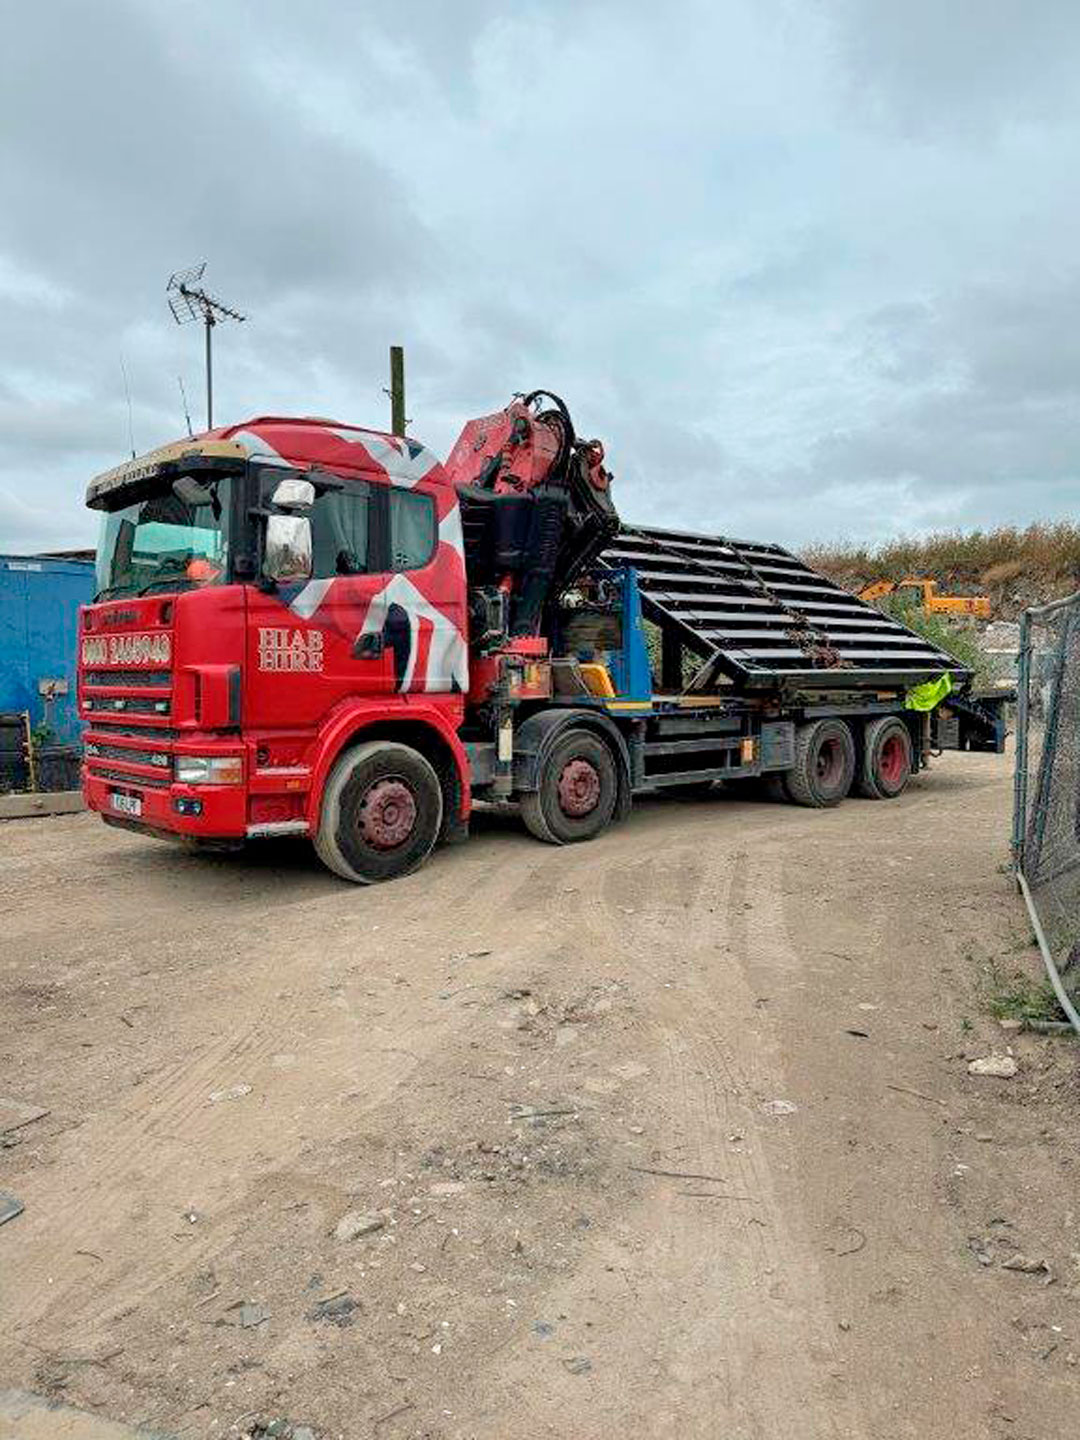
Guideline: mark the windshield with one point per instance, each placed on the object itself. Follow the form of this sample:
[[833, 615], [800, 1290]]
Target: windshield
[[172, 540]]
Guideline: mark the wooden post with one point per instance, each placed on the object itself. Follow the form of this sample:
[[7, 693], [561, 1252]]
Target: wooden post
[[31, 757], [397, 390]]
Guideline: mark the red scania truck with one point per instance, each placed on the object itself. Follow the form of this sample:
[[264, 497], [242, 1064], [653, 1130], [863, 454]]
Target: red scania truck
[[307, 628]]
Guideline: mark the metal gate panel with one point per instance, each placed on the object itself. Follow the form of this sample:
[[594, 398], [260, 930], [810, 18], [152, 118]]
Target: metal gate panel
[[764, 618]]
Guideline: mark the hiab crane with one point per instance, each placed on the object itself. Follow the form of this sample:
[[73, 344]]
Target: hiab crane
[[308, 628]]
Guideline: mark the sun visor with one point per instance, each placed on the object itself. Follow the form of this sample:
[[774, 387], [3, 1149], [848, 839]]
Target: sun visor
[[105, 491]]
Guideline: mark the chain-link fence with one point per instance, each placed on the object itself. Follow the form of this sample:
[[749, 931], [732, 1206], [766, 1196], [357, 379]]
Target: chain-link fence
[[1046, 821]]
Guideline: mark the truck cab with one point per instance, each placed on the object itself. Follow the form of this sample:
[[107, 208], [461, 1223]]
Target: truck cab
[[264, 592]]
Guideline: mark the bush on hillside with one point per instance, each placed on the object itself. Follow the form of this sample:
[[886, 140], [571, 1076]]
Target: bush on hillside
[[1015, 567]]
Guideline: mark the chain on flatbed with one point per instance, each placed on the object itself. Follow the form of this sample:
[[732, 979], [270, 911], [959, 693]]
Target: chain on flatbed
[[765, 618]]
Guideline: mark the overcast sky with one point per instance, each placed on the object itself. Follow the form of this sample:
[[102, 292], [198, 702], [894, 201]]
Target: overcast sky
[[811, 269]]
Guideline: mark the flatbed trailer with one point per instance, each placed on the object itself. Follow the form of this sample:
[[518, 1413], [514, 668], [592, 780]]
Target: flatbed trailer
[[768, 672]]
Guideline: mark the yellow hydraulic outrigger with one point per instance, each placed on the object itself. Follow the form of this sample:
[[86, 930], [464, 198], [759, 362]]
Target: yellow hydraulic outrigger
[[932, 602]]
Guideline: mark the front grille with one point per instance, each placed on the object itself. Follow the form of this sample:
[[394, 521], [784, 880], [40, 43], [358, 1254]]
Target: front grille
[[126, 705], [139, 679], [152, 782], [137, 732], [158, 758]]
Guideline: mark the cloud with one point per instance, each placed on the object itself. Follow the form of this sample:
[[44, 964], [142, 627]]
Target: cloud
[[979, 410], [962, 70], [806, 269]]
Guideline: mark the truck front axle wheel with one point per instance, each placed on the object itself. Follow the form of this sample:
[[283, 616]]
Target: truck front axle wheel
[[577, 793], [381, 813]]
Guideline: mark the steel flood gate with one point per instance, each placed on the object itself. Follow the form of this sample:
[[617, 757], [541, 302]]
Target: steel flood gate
[[765, 619]]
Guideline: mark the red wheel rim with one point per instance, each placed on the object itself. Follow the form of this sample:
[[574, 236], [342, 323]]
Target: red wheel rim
[[387, 814], [830, 763], [579, 788], [893, 761]]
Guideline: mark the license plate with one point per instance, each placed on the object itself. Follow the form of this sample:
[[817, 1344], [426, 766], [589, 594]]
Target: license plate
[[126, 804]]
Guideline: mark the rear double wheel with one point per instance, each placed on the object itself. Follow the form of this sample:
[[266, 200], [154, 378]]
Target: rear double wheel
[[824, 766], [577, 793], [381, 813], [887, 759]]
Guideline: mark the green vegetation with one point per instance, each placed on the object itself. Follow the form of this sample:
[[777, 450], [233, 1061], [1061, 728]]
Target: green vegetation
[[1013, 995], [1015, 567], [956, 636], [691, 663]]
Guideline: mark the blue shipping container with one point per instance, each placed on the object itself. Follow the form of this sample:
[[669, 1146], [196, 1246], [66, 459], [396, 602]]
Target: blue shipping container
[[39, 625]]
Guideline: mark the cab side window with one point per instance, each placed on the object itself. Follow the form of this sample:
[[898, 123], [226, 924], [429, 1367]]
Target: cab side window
[[360, 527], [414, 534], [341, 532]]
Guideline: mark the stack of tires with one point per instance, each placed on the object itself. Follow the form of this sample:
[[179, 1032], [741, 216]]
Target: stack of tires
[[14, 774], [57, 767]]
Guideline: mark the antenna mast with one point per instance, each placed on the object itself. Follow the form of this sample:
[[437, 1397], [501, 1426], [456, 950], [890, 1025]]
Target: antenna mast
[[189, 301], [187, 412], [127, 392]]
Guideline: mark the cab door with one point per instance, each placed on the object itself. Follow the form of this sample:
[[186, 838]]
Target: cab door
[[309, 644], [423, 604]]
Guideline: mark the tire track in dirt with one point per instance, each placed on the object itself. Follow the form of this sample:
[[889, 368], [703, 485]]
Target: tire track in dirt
[[168, 1126], [745, 1250], [726, 1293]]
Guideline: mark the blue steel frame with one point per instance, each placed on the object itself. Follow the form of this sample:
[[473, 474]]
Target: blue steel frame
[[629, 667]]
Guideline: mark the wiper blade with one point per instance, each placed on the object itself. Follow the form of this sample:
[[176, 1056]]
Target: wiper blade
[[171, 582]]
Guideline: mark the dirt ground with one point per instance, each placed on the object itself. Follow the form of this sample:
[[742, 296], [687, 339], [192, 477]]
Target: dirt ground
[[669, 1135]]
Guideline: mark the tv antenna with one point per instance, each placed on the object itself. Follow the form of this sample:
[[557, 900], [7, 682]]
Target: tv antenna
[[189, 301]]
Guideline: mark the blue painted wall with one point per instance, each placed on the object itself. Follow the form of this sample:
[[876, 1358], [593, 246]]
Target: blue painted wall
[[39, 623]]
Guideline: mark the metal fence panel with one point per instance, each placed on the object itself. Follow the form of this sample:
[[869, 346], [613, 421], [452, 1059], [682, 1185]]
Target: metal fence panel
[[1046, 821]]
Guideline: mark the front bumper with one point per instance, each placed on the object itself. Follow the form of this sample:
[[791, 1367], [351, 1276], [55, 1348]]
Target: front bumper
[[222, 809]]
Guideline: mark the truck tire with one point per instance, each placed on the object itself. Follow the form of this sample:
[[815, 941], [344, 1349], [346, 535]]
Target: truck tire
[[824, 764], [886, 759], [381, 813], [577, 793]]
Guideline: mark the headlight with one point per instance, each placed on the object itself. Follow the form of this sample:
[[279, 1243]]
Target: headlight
[[209, 769]]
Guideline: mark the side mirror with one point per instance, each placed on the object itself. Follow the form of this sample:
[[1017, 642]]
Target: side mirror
[[293, 494], [287, 552]]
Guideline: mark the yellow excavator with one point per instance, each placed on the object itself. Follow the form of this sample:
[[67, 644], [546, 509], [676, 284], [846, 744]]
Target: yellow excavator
[[932, 602]]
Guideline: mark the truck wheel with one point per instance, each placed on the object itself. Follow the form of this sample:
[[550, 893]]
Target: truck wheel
[[824, 764], [887, 759], [579, 789], [381, 812]]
